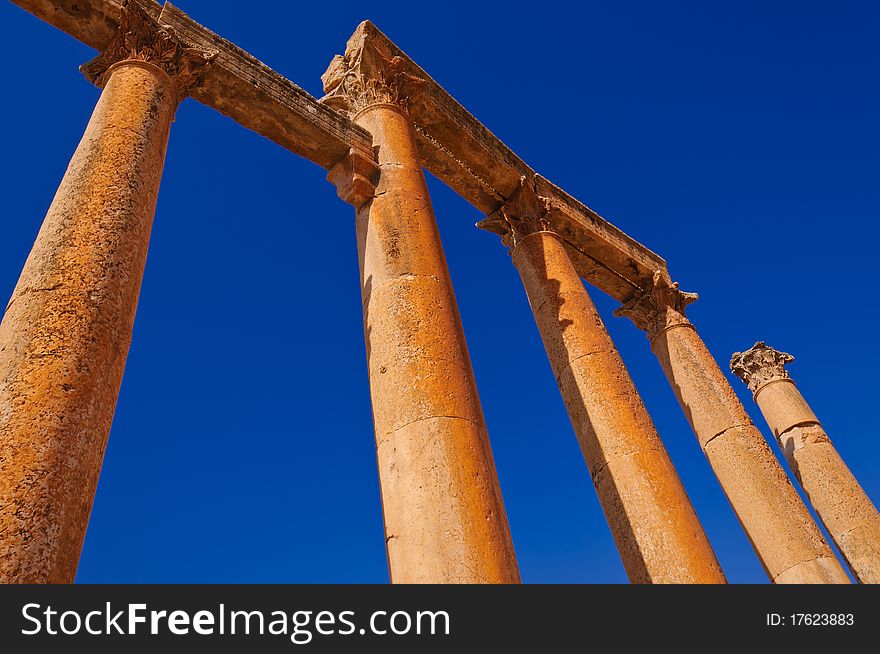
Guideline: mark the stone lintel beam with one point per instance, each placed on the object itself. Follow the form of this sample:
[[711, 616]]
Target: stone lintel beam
[[459, 150], [237, 85], [93, 22], [452, 143], [255, 96]]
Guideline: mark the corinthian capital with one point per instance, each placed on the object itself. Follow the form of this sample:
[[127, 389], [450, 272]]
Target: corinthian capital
[[524, 213], [760, 364], [140, 37], [367, 74], [658, 308]]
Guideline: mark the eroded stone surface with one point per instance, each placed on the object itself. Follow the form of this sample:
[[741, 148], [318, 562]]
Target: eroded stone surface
[[770, 510], [67, 329], [843, 506], [777, 522], [140, 37], [70, 316], [657, 532], [759, 365], [524, 214], [452, 143], [444, 521], [355, 177], [444, 515]]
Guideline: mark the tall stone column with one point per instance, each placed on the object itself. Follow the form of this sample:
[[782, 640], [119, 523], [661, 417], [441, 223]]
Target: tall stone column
[[444, 516], [656, 530], [66, 331], [841, 503], [787, 540]]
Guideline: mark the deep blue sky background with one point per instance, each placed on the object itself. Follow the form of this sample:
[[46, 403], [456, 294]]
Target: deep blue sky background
[[738, 140]]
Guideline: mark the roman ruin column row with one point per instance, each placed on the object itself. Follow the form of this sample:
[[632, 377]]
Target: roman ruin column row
[[656, 530], [841, 503], [66, 332], [785, 537]]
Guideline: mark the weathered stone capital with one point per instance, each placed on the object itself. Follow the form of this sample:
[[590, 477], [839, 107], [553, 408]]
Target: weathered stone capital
[[658, 308], [759, 365], [355, 177], [140, 37], [367, 74], [524, 213]]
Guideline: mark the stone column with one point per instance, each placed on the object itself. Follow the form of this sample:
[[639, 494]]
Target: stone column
[[66, 331], [787, 540], [656, 530], [841, 503], [444, 516]]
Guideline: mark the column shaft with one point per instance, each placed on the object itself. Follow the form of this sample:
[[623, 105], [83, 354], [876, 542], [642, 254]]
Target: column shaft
[[444, 516], [67, 329], [780, 527], [785, 537], [657, 532], [841, 503]]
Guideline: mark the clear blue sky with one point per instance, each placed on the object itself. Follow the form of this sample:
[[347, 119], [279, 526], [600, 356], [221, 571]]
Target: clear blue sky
[[737, 140]]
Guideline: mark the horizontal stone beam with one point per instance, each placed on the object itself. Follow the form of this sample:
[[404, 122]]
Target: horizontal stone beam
[[453, 144], [459, 150], [237, 85], [93, 22], [255, 96]]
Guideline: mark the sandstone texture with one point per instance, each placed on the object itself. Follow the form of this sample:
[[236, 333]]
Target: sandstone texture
[[840, 502], [785, 537], [452, 143], [67, 329], [444, 515], [653, 523]]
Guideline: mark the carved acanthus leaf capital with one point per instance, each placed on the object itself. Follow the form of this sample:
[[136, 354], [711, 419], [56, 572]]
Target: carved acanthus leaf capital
[[658, 308], [140, 37], [524, 213], [760, 364], [367, 74]]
